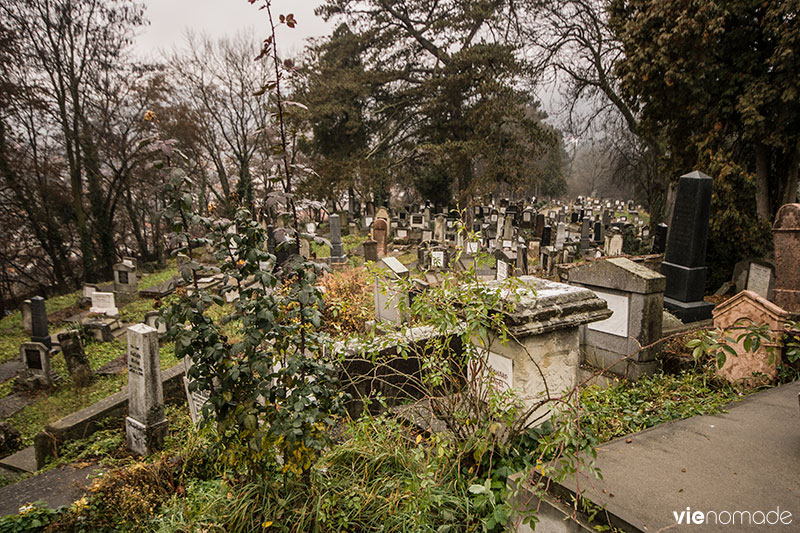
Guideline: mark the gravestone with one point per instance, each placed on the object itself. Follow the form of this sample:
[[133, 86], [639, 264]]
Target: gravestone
[[337, 250], [598, 232], [660, 239], [27, 326], [561, 235], [522, 259], [388, 298], [89, 289], [635, 295], [508, 228], [39, 327], [750, 368], [380, 234], [125, 281], [74, 356], [370, 251], [539, 229], [195, 398], [756, 275], [103, 304], [543, 350], [151, 318], [547, 233], [585, 230], [439, 258], [786, 235], [439, 228], [36, 358], [613, 244], [145, 425], [684, 262], [505, 264]]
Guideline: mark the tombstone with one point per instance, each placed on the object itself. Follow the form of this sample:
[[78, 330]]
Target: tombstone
[[103, 304], [527, 218], [337, 251], [522, 259], [750, 368], [684, 262], [547, 233], [561, 235], [417, 221], [427, 235], [754, 275], [635, 295], [786, 235], [36, 359], [544, 339], [585, 230], [380, 234], [27, 325], [439, 228], [598, 232], [89, 289], [39, 327], [402, 234], [439, 258], [539, 226], [145, 425], [195, 398], [125, 281], [75, 357], [613, 244], [660, 239], [508, 228], [371, 251], [389, 299], [505, 264], [573, 217]]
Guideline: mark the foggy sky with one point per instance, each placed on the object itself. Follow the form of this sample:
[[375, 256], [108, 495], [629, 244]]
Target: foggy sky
[[169, 20]]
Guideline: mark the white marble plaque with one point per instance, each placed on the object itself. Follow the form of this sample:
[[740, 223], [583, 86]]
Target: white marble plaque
[[758, 279], [437, 259], [472, 248], [616, 324], [103, 303], [496, 369], [402, 234], [502, 270]]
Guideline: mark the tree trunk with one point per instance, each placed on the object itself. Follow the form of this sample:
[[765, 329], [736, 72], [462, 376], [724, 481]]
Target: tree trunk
[[762, 182]]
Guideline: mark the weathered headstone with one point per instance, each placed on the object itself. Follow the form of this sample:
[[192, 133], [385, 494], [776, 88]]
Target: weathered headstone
[[74, 356], [561, 235], [585, 230], [684, 262], [388, 297], [337, 250], [36, 358], [125, 281], [439, 228], [145, 425], [27, 325], [635, 295], [370, 251], [151, 318], [755, 275], [380, 234], [195, 398], [660, 239], [750, 368], [103, 303], [39, 327], [786, 235]]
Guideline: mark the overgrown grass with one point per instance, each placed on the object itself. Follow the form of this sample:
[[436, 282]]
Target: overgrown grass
[[630, 407], [150, 280]]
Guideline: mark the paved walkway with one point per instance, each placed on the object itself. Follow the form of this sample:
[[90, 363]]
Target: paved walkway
[[60, 486], [747, 459]]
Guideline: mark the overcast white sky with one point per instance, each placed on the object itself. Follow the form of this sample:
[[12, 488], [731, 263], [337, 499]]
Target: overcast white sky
[[169, 20]]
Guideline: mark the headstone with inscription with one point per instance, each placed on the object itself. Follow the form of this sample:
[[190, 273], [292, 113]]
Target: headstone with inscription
[[145, 425], [756, 275], [380, 234], [36, 358], [390, 301], [196, 399], [103, 304], [684, 262], [75, 357], [125, 281], [370, 250]]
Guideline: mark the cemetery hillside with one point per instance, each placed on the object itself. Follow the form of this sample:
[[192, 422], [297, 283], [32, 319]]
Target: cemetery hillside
[[399, 266]]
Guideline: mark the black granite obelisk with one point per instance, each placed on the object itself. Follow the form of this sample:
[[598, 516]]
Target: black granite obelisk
[[685, 260]]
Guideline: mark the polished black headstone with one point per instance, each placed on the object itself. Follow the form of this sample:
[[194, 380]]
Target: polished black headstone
[[547, 233], [39, 329], [684, 261], [660, 239]]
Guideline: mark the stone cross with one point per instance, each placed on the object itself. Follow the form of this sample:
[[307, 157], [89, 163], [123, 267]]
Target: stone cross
[[145, 425]]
